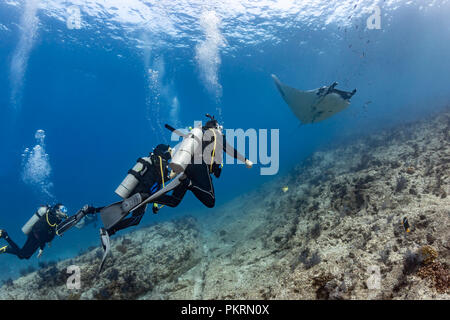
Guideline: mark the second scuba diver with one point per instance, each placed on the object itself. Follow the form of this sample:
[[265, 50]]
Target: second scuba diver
[[40, 229], [147, 177]]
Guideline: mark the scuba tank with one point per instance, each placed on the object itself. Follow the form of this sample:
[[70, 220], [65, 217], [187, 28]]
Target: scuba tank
[[35, 218], [132, 179], [189, 147]]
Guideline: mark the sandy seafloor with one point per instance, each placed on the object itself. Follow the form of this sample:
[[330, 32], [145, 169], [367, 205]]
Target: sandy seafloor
[[337, 233]]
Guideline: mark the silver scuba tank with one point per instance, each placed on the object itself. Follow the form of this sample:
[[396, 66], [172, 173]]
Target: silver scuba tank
[[190, 146], [130, 182], [35, 218]]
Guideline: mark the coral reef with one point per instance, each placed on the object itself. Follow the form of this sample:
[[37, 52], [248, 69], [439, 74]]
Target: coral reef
[[428, 254], [438, 273], [337, 233]]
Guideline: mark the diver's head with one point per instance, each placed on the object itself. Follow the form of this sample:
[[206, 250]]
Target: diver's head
[[213, 123], [164, 151], [60, 211]]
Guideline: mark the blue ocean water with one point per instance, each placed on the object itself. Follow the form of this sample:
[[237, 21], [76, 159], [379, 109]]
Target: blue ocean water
[[101, 89]]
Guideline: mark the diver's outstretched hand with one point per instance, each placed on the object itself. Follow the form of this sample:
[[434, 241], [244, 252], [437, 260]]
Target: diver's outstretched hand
[[248, 163], [73, 220], [88, 209], [172, 175]]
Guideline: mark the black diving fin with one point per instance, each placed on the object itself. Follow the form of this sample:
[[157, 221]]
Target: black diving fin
[[115, 212]]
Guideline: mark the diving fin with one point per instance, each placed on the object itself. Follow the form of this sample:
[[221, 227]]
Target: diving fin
[[115, 212], [106, 245]]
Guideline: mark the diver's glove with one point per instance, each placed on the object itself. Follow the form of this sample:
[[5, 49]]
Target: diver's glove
[[172, 175], [3, 234], [87, 209], [155, 208], [40, 253], [248, 163]]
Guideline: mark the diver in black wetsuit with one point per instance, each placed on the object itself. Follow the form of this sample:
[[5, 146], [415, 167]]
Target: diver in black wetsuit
[[149, 179], [198, 176], [42, 232], [149, 182]]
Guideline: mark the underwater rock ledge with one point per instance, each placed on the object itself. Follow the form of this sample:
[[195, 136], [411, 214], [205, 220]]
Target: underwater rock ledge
[[337, 233]]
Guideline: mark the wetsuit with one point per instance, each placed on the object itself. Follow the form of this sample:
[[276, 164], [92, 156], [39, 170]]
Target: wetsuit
[[43, 231], [198, 175]]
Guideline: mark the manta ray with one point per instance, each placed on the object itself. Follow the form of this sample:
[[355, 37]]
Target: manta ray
[[314, 105]]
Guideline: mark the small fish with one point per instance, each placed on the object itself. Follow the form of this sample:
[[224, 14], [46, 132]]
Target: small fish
[[406, 224], [285, 189]]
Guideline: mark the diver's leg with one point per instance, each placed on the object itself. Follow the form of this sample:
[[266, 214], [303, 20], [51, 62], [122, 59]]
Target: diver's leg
[[28, 249], [12, 247], [134, 220], [175, 198], [201, 184]]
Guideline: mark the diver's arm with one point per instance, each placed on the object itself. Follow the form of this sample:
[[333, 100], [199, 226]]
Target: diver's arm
[[235, 154], [73, 220], [232, 151]]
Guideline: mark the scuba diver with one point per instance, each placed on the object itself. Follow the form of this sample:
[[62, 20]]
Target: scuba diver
[[40, 229], [144, 179], [197, 175]]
